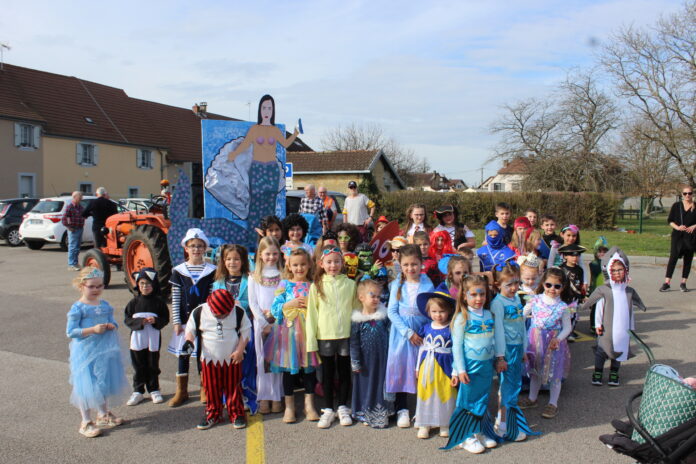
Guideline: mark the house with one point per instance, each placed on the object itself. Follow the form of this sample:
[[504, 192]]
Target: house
[[508, 179], [435, 182], [456, 184], [334, 169]]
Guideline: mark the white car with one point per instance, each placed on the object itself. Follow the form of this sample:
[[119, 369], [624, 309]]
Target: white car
[[43, 223]]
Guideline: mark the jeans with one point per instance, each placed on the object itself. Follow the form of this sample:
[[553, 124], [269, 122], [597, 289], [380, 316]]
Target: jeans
[[74, 241]]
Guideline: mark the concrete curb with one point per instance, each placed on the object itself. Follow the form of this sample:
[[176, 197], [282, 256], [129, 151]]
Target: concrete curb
[[656, 260]]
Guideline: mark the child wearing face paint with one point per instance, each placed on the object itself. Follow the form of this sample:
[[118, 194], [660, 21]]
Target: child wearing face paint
[[510, 348], [295, 228], [473, 350], [406, 320], [522, 230], [548, 356], [330, 302], [495, 253], [615, 301], [369, 345], [146, 314], [456, 268]]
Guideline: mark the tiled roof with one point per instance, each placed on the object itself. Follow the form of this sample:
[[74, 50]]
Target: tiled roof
[[333, 161], [516, 166]]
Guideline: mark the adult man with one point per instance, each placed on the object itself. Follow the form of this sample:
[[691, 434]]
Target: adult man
[[74, 222], [312, 204], [355, 209], [329, 205], [100, 209]]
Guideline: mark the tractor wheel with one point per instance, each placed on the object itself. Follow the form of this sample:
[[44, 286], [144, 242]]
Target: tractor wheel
[[95, 258], [146, 246]]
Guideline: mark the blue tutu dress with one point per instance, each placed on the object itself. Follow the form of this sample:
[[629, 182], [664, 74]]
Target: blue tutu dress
[[96, 364]]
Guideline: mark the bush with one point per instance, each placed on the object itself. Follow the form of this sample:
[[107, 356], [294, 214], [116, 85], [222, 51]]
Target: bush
[[587, 210]]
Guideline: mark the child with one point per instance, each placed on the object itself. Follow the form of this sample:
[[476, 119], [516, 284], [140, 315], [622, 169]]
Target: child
[[406, 322], [532, 216], [522, 230], [510, 347], [270, 226], [96, 371], [380, 223], [348, 237], [295, 228], [395, 245], [330, 238], [221, 340], [330, 303], [232, 275], [456, 268], [570, 235], [530, 270], [262, 287], [614, 316], [473, 348], [369, 345], [575, 275], [286, 350], [549, 236], [548, 357], [422, 241], [533, 243], [461, 235], [415, 215], [436, 393], [146, 315], [596, 275], [502, 215], [440, 244], [494, 254], [191, 282]]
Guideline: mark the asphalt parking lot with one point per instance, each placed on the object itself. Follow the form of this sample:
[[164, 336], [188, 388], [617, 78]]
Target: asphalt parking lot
[[38, 424]]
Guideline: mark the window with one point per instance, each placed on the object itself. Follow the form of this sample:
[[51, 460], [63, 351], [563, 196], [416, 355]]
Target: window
[[143, 159], [515, 187], [498, 187], [133, 192], [87, 154], [85, 187], [27, 136]]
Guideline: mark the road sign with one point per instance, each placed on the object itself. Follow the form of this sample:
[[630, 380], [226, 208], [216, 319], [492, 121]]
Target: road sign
[[288, 170]]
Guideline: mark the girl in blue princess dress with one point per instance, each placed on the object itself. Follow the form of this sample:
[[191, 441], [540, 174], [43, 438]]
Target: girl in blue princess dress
[[473, 350], [96, 368]]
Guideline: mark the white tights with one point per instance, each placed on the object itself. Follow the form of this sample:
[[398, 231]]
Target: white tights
[[87, 413], [535, 385]]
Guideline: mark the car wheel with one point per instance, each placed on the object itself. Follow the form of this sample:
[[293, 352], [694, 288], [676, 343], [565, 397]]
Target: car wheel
[[64, 242], [34, 244], [13, 239]]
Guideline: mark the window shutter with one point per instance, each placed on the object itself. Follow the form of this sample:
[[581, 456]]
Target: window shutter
[[37, 136], [18, 134], [96, 154], [138, 158], [78, 154]]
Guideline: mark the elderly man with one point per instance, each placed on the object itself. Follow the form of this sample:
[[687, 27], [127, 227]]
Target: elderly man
[[100, 209], [74, 222], [329, 205], [312, 204]]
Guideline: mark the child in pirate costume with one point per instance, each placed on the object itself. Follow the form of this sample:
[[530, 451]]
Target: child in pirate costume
[[576, 276], [613, 315], [495, 253], [146, 314], [191, 282], [222, 330]]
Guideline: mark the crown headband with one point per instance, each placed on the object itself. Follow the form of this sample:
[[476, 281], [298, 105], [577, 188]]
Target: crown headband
[[93, 274]]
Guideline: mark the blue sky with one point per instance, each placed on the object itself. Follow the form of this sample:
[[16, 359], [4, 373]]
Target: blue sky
[[432, 74]]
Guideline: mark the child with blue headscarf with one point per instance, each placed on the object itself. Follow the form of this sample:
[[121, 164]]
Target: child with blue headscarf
[[495, 253]]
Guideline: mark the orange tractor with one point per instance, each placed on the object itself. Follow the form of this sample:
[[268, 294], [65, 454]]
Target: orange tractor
[[135, 239]]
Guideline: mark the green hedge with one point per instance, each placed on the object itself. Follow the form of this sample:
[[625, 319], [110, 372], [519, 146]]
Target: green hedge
[[587, 210]]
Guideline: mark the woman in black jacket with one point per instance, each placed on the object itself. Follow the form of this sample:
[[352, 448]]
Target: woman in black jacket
[[682, 220]]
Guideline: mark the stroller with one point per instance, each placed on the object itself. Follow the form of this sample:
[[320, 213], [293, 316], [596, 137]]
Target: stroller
[[664, 431]]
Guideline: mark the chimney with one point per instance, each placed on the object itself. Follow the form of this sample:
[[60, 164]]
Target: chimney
[[203, 106], [195, 108]]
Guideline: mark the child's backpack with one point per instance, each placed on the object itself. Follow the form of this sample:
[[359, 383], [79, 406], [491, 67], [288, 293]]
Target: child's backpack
[[196, 315]]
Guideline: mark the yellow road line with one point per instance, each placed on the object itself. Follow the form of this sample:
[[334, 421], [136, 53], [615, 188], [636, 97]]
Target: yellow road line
[[255, 452], [582, 337]]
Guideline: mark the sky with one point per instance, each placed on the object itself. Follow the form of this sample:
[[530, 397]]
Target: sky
[[434, 75]]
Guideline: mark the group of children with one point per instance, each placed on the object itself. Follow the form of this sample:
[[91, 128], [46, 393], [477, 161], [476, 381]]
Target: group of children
[[329, 319]]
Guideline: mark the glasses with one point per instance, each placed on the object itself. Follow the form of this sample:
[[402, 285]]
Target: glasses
[[687, 193], [396, 250], [344, 238], [94, 287], [556, 286], [511, 283], [218, 329], [617, 271], [194, 247]]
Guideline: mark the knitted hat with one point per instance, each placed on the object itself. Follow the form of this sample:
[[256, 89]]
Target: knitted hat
[[220, 302]]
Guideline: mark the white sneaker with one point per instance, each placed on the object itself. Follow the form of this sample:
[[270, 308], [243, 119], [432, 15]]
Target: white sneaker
[[423, 432], [521, 436], [134, 399], [402, 419], [486, 441], [344, 416], [156, 397], [500, 428], [444, 432], [327, 417], [473, 446]]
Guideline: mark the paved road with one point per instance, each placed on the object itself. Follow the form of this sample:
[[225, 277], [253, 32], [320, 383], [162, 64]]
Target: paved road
[[37, 423]]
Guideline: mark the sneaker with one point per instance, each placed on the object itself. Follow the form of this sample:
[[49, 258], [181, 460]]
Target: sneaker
[[526, 403], [135, 398], [89, 430], [344, 416], [156, 397], [613, 379], [473, 446], [423, 432], [665, 287], [402, 419], [550, 411], [486, 441], [597, 378], [444, 432], [108, 420], [327, 417], [521, 436], [73, 268], [683, 288], [500, 428], [572, 337], [206, 423], [239, 422]]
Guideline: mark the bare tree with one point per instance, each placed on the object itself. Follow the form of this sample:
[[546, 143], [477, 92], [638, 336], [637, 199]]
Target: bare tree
[[655, 70], [372, 137]]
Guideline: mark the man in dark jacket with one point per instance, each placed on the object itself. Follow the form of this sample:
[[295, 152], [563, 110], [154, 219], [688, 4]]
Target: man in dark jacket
[[100, 209]]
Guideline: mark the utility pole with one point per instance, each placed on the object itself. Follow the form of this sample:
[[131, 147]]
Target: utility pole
[[3, 46], [481, 169]]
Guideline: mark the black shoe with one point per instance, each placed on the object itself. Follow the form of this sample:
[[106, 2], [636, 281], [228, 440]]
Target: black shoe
[[597, 378], [206, 424], [683, 288], [613, 379], [665, 287], [571, 338], [239, 422]]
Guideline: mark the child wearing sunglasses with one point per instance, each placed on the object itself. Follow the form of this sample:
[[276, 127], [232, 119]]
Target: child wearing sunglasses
[[548, 356], [510, 347]]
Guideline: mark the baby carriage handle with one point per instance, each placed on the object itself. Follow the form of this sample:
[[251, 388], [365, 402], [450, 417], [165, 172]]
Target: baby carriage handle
[[643, 346], [639, 428]]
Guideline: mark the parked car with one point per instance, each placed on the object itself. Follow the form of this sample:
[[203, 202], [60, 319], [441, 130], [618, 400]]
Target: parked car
[[11, 212], [43, 224], [293, 198]]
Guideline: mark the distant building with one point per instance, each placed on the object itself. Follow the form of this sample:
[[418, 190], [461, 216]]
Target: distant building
[[435, 182], [508, 179]]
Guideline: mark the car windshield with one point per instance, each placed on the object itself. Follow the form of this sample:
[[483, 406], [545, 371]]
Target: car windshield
[[4, 208], [49, 206]]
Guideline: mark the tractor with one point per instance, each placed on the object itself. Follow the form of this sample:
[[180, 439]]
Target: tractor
[[135, 239]]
